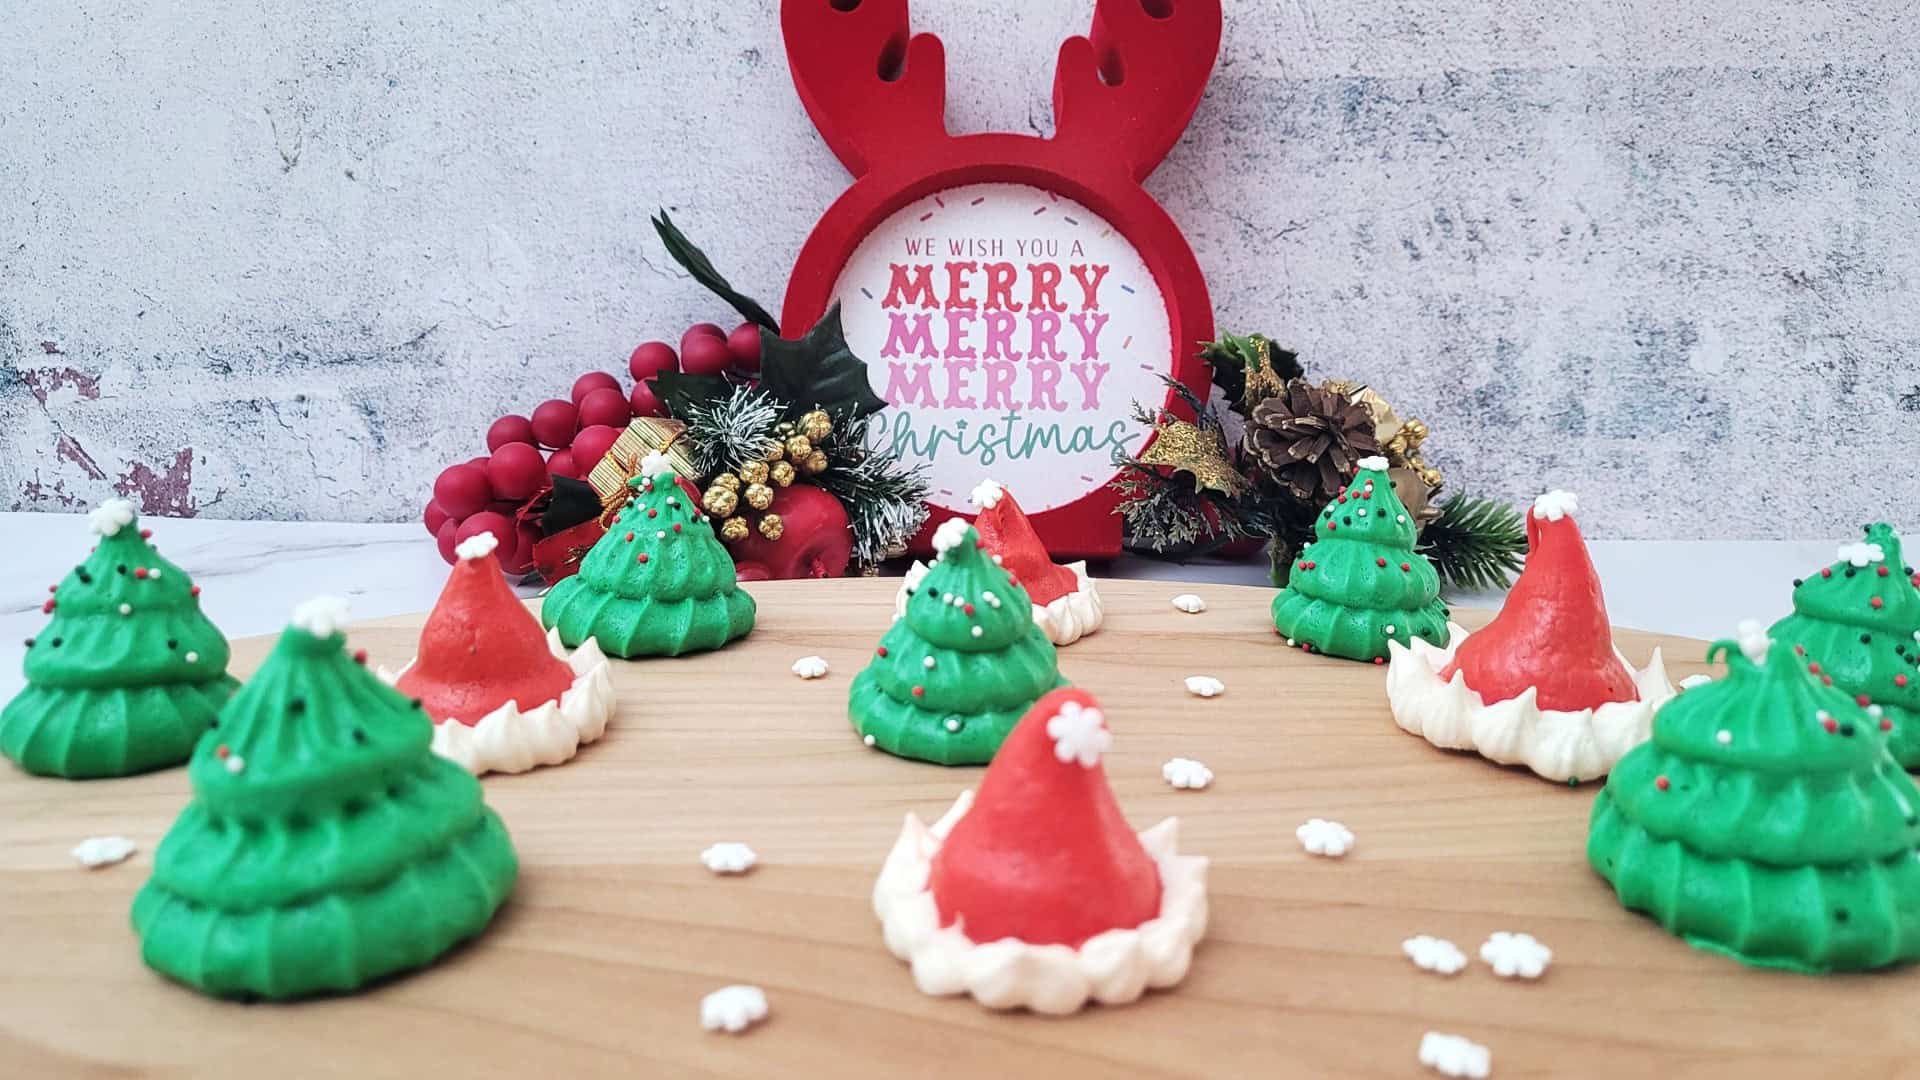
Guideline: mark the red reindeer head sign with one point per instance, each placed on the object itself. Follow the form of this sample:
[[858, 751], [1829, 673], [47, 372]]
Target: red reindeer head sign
[[1011, 295]]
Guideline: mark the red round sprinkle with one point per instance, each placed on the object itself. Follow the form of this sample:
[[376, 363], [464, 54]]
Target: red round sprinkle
[[919, 691], [1813, 668], [1367, 494], [1862, 700], [53, 588], [195, 591], [1877, 603], [360, 657], [146, 534], [47, 607], [140, 572], [1883, 571], [1826, 573], [643, 556], [1379, 659], [676, 526], [1830, 724], [1799, 650], [221, 750], [651, 512], [1826, 680], [1899, 680], [1380, 562], [1886, 725], [1302, 566], [629, 538], [882, 650], [1343, 498], [1661, 782], [980, 544], [1406, 566], [968, 609], [1332, 527]]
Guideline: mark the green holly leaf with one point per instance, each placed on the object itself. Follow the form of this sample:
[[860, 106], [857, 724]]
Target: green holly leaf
[[677, 390], [818, 371]]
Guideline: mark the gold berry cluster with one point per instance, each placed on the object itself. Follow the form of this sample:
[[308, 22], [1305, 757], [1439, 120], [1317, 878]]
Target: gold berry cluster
[[791, 451]]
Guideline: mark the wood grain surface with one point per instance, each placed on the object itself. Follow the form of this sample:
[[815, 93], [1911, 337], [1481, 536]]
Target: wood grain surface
[[598, 963]]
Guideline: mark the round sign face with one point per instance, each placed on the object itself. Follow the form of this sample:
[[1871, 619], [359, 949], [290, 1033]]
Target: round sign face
[[1010, 331]]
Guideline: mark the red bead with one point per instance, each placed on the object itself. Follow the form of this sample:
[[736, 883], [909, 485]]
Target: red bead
[[1862, 700], [1799, 650], [1883, 571], [140, 572], [968, 609], [1813, 668], [1886, 725], [195, 591], [1661, 782], [1343, 497], [1406, 566], [643, 556], [1302, 566], [1826, 573], [882, 650], [1899, 680], [651, 512], [1826, 680], [146, 534], [53, 588], [221, 750], [676, 526], [980, 544], [1331, 527], [1367, 494], [629, 538], [1380, 562], [1830, 724], [360, 657], [47, 608], [1379, 660], [919, 691], [1877, 603]]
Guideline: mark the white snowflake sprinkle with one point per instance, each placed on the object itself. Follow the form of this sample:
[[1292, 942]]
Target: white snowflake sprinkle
[[1205, 686], [477, 546], [1375, 462], [733, 1009], [154, 573], [1438, 955], [1190, 603], [1555, 505], [1328, 838], [868, 739], [1692, 681], [110, 517], [810, 667], [322, 616], [1516, 955], [1186, 774], [987, 494], [1862, 554], [1454, 1055], [1079, 734], [656, 464], [953, 723], [98, 851], [951, 534], [729, 858]]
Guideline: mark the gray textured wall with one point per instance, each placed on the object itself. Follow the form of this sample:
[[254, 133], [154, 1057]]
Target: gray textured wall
[[272, 258]]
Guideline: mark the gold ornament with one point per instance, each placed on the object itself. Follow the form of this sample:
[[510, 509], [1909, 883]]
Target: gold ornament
[[727, 480], [754, 472], [784, 428], [781, 473], [771, 526], [816, 425], [774, 451], [759, 496], [815, 464], [799, 447], [1182, 445], [733, 530], [720, 501], [1399, 439], [1262, 381]]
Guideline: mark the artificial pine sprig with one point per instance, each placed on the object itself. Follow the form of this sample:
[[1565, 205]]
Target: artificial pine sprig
[[1477, 544], [886, 499], [727, 432]]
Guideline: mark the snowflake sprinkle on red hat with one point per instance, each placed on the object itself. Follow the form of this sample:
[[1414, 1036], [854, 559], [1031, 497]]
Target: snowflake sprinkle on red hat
[[1542, 685], [1036, 893], [504, 696], [1066, 606]]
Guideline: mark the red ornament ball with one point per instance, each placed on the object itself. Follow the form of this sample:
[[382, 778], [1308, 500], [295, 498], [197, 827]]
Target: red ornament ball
[[560, 463], [509, 429], [434, 517], [446, 539], [744, 346], [702, 354], [554, 423], [644, 403], [591, 445], [591, 381], [488, 522], [651, 359], [462, 490], [516, 471], [606, 406], [701, 329]]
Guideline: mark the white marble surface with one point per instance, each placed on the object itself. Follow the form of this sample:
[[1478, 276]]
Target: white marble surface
[[253, 572]]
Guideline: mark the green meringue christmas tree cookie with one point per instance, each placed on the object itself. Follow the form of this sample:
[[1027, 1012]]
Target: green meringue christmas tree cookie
[[1859, 619], [960, 668], [128, 673], [1360, 584], [326, 846], [659, 583], [1766, 821]]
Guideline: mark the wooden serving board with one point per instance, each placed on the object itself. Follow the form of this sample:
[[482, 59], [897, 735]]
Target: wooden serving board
[[598, 963]]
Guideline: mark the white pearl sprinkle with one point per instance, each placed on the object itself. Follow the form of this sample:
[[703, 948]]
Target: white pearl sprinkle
[[661, 535], [927, 663], [990, 599], [154, 574], [946, 598], [977, 631], [1723, 736], [1389, 629], [1401, 518], [126, 609], [1291, 643], [868, 739], [1363, 511], [235, 763], [193, 658], [675, 503], [953, 724], [998, 561]]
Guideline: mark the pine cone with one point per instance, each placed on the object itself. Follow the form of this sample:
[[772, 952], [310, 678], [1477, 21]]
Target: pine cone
[[1311, 439]]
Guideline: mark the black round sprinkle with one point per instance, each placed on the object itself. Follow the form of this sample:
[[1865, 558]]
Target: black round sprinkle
[[1841, 915], [1346, 519], [1849, 571], [910, 592], [359, 735], [417, 704], [56, 643], [214, 723], [1866, 639], [173, 643], [297, 705], [1796, 582], [1847, 730], [122, 568], [85, 578], [29, 643]]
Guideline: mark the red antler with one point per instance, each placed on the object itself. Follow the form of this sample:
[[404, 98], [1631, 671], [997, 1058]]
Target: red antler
[[867, 84], [1136, 79]]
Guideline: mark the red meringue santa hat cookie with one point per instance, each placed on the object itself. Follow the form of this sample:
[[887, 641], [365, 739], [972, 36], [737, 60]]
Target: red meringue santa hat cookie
[[1066, 606], [503, 694], [1542, 684], [1037, 893]]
